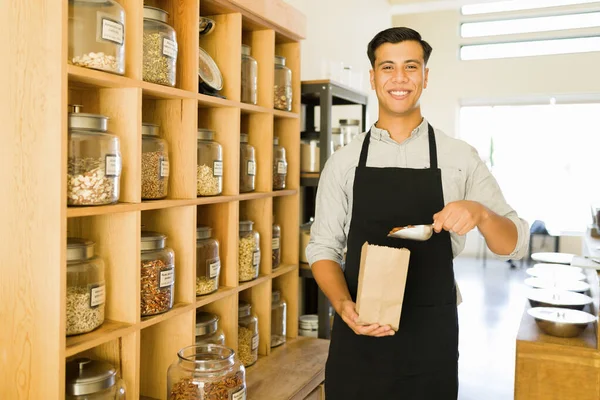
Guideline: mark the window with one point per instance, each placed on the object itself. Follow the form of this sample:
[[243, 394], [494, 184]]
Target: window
[[516, 5]]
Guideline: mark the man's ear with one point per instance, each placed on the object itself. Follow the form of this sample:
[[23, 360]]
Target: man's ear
[[425, 81], [372, 79]]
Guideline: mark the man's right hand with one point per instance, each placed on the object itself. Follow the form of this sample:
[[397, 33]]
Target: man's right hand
[[347, 310]]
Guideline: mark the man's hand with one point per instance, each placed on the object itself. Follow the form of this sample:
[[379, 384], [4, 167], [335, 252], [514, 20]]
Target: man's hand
[[460, 217], [347, 311]]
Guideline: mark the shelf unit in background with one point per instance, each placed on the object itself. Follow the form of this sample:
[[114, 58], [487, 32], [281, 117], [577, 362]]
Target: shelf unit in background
[[35, 212]]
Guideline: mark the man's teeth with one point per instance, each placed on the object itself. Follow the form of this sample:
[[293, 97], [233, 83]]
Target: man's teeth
[[399, 93]]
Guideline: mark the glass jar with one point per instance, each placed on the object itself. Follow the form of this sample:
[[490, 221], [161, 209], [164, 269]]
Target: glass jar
[[160, 48], [88, 379], [247, 165], [309, 325], [249, 76], [94, 163], [158, 274], [310, 155], [276, 247], [350, 128], [208, 263], [207, 329], [247, 334], [206, 372], [278, 319], [283, 85], [337, 139], [209, 175], [86, 290], [97, 35], [279, 165], [155, 164], [249, 252]]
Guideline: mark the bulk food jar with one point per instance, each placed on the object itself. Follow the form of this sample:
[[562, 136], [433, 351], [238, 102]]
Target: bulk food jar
[[97, 35], [350, 128], [94, 161], [209, 177], [88, 379], [249, 76], [155, 164], [249, 252], [158, 274], [247, 165], [208, 263], [278, 319], [247, 334], [160, 48], [85, 287], [276, 247], [279, 165], [206, 372], [207, 329], [283, 85]]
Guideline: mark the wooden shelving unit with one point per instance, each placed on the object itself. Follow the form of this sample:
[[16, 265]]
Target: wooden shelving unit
[[36, 217]]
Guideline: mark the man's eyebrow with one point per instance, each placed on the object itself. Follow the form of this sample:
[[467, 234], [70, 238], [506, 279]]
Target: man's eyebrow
[[385, 62], [413, 61]]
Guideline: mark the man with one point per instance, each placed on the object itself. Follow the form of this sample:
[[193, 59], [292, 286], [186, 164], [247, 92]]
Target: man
[[403, 172]]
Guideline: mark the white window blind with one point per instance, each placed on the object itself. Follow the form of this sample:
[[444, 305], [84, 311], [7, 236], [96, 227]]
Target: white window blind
[[516, 5]]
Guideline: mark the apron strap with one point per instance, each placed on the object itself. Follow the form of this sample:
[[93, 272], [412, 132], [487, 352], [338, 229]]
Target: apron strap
[[362, 161]]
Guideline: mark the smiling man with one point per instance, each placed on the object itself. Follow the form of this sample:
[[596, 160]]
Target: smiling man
[[403, 172]]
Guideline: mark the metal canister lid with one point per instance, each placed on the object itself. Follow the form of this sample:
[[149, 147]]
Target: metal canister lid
[[244, 309], [152, 240], [79, 249], [203, 232], [246, 226], [336, 130], [349, 122], [243, 138], [280, 60], [205, 134], [157, 14], [206, 323], [275, 296], [309, 321], [246, 50], [150, 129], [85, 376], [275, 141], [79, 120]]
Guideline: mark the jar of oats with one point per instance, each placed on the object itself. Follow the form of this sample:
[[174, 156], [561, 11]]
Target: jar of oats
[[247, 334], [247, 165], [85, 287], [158, 274], [283, 85], [249, 252], [160, 48], [94, 161], [155, 164], [209, 181], [208, 263]]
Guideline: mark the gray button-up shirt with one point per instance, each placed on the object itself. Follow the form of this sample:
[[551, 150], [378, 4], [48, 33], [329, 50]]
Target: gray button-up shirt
[[464, 177]]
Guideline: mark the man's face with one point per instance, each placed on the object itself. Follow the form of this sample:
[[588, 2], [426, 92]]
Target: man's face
[[399, 77]]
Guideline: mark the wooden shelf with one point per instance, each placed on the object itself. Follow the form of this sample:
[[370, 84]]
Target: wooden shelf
[[177, 310], [85, 77], [285, 114], [109, 330], [223, 292]]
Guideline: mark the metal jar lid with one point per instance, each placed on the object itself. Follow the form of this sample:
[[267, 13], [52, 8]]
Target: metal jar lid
[[309, 321], [85, 376], [275, 141], [205, 134], [79, 120], [280, 60], [79, 249], [246, 226], [203, 232], [244, 309], [349, 122], [150, 129], [206, 323], [275, 296], [156, 14], [243, 138], [153, 240], [246, 50]]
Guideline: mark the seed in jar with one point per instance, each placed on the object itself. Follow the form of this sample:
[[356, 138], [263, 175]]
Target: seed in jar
[[157, 68], [205, 285], [207, 184], [190, 389], [247, 271], [98, 60], [155, 299], [154, 186], [87, 183], [283, 97], [278, 179], [81, 317], [246, 354]]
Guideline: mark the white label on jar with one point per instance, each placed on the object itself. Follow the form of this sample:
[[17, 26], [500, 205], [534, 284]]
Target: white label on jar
[[254, 342], [281, 168], [169, 48], [275, 244], [218, 168], [251, 168], [240, 395], [113, 165], [112, 31], [167, 277], [164, 168], [256, 258], [97, 296], [213, 268]]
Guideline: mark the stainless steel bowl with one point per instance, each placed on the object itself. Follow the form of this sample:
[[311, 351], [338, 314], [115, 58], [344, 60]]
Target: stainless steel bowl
[[558, 299], [556, 275], [561, 322], [568, 285]]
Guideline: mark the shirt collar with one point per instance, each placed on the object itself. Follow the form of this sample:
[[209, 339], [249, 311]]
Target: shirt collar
[[382, 134]]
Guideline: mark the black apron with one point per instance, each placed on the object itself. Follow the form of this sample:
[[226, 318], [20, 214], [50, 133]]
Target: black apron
[[420, 362]]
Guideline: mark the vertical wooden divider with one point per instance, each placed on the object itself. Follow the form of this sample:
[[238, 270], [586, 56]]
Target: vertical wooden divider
[[261, 212], [260, 135], [290, 223], [291, 51], [288, 285], [260, 298], [288, 131], [227, 310], [134, 31], [263, 49]]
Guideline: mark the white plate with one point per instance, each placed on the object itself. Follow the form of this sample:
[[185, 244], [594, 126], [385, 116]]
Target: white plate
[[558, 267], [571, 286], [563, 315], [555, 274], [553, 258]]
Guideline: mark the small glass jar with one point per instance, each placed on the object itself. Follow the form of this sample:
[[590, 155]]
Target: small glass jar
[[158, 274], [207, 329], [337, 139], [206, 372], [350, 128], [283, 85], [208, 263], [88, 379], [94, 161], [155, 164], [276, 247], [97, 35], [308, 325], [247, 165], [278, 319], [160, 48], [310, 155], [249, 252], [279, 165], [247, 334], [86, 290], [209, 175], [249, 76]]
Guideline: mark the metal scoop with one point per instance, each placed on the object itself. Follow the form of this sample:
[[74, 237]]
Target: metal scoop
[[413, 232]]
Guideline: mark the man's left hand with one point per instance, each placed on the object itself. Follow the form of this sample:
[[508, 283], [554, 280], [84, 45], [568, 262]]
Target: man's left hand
[[460, 217]]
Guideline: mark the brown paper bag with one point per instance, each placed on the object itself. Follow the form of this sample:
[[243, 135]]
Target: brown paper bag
[[381, 283]]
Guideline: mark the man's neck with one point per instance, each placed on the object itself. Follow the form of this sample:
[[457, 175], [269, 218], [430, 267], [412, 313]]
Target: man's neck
[[400, 127]]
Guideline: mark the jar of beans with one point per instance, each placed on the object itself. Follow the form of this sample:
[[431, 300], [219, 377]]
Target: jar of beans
[[249, 252], [155, 164], [247, 165], [248, 338], [209, 164], [158, 274], [279, 165], [208, 263]]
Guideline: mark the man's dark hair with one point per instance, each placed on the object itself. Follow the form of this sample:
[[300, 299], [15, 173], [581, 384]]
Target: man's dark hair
[[397, 35]]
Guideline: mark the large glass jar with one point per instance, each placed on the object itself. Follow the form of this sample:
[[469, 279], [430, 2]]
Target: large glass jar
[[247, 165], [155, 164], [85, 287], [278, 319], [350, 128], [247, 334], [276, 246], [249, 252], [88, 379], [208, 263], [206, 372], [279, 165], [337, 139], [158, 274], [310, 155], [283, 85], [160, 48], [97, 35], [209, 165], [94, 161], [249, 76], [207, 329]]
